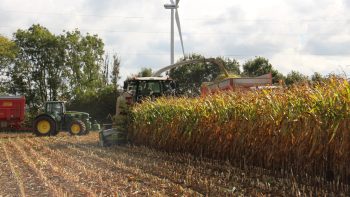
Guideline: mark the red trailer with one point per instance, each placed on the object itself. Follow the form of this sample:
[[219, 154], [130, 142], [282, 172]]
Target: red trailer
[[234, 84], [12, 109]]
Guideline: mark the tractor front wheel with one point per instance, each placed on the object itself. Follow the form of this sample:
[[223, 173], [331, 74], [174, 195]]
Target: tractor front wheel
[[44, 126], [77, 127]]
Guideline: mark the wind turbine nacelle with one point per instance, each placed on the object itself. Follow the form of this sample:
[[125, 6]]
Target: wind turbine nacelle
[[170, 6]]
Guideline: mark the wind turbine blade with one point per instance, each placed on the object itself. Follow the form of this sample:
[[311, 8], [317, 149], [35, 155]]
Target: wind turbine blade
[[179, 28], [172, 1], [177, 2]]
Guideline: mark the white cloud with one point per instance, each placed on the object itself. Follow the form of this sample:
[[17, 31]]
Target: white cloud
[[303, 35]]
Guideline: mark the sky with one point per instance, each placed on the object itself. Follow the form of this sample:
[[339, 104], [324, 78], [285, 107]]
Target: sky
[[303, 35]]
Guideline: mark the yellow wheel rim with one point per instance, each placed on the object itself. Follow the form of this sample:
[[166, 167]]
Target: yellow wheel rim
[[43, 126], [75, 128]]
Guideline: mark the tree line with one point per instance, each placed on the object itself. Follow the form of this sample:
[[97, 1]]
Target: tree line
[[74, 67]]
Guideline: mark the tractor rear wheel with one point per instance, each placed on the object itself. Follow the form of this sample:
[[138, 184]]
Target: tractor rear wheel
[[77, 127], [86, 132], [44, 126]]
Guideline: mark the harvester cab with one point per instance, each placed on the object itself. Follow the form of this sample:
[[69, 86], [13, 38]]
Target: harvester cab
[[55, 118], [138, 88]]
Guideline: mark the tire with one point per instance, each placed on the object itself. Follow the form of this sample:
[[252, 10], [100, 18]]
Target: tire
[[77, 127], [44, 126], [86, 132]]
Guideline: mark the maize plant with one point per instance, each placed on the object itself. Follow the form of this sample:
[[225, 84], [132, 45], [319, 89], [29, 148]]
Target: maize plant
[[302, 129]]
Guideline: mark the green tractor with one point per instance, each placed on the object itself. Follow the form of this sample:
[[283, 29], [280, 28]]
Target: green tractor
[[55, 118]]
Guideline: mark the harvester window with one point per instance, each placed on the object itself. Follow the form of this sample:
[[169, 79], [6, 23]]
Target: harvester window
[[147, 88], [155, 87], [130, 87], [169, 87]]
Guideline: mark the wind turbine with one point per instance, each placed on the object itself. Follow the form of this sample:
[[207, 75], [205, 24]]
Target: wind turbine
[[173, 6]]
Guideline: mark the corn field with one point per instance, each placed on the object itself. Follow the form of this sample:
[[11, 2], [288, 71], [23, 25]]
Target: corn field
[[303, 130]]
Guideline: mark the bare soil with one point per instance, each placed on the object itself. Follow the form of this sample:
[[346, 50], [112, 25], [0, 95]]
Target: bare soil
[[76, 166]]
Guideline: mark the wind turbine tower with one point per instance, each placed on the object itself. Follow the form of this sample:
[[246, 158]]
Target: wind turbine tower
[[173, 7]]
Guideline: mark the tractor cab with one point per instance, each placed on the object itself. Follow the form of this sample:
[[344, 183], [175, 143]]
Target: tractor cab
[[55, 107]]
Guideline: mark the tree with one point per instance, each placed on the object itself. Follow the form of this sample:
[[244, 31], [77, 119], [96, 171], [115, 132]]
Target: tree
[[190, 77], [55, 67], [115, 72], [260, 66], [83, 61], [317, 77], [8, 53], [105, 72], [38, 65], [98, 105], [295, 77], [145, 72], [231, 65]]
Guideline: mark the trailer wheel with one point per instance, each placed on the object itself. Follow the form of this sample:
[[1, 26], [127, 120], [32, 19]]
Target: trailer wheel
[[77, 127], [44, 126]]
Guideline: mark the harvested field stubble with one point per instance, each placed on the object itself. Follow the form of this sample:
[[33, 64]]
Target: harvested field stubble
[[77, 166], [301, 130]]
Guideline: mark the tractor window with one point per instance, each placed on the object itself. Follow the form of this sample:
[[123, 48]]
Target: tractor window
[[54, 108]]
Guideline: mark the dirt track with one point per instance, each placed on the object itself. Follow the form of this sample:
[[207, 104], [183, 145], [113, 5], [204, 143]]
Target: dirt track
[[77, 166]]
